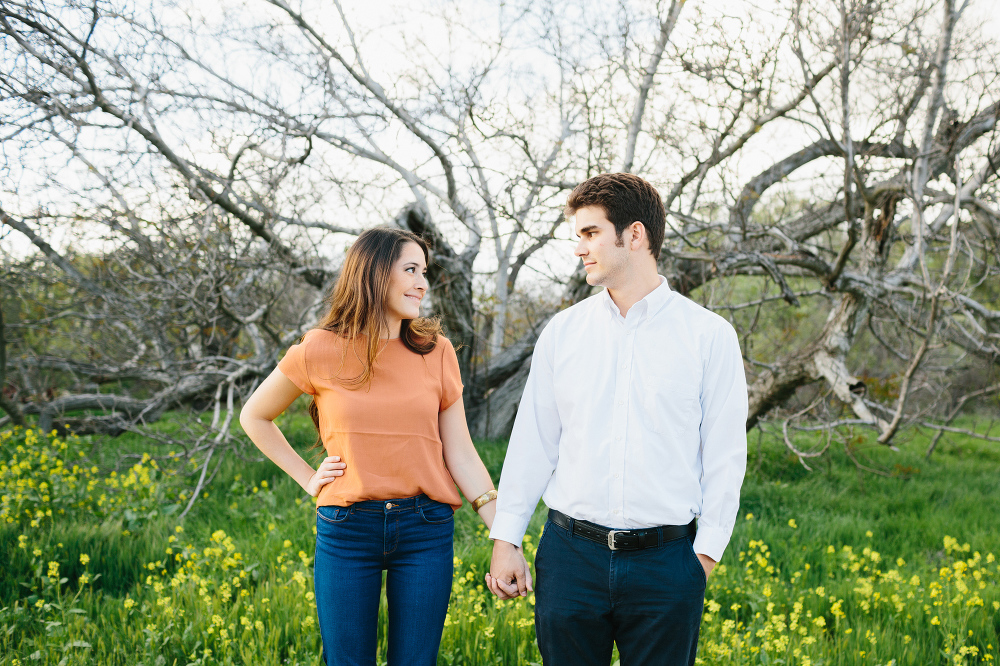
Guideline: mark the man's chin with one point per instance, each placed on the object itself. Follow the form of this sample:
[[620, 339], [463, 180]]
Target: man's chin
[[594, 279]]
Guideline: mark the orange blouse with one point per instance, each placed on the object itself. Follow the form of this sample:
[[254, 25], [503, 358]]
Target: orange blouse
[[387, 432]]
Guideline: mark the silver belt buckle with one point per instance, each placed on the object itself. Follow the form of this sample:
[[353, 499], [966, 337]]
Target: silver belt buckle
[[611, 538]]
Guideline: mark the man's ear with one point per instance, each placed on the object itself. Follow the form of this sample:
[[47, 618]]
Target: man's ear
[[637, 235]]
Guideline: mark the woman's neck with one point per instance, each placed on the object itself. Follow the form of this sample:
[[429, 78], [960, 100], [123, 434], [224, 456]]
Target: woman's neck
[[392, 328]]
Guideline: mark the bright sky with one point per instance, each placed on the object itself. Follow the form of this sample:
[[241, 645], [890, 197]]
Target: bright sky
[[389, 32]]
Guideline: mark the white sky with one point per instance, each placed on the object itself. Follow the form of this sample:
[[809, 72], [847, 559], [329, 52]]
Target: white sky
[[380, 27]]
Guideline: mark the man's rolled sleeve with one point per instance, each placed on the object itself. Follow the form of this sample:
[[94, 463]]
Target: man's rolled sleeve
[[723, 443]]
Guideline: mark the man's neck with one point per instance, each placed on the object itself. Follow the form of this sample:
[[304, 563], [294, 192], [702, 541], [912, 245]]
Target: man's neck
[[634, 288]]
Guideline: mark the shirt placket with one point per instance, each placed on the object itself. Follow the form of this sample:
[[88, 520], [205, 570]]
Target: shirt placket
[[619, 424]]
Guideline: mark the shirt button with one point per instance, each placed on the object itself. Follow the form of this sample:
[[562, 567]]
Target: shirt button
[[617, 511], [618, 476], [621, 402], [618, 438]]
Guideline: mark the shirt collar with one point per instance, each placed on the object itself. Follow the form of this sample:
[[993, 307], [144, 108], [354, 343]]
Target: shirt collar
[[649, 305]]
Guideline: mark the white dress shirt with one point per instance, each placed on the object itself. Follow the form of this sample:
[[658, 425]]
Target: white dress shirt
[[631, 422]]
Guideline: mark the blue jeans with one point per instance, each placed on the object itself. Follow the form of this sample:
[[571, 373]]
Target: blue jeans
[[411, 539], [588, 598]]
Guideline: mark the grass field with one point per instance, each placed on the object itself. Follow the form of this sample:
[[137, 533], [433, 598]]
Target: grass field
[[825, 567]]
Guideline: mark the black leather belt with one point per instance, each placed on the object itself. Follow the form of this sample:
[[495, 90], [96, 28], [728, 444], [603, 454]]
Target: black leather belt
[[651, 537]]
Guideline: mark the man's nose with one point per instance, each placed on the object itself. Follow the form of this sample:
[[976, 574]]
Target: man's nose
[[580, 250]]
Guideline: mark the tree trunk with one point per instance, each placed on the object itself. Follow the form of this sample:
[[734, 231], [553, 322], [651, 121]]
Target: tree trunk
[[450, 277], [7, 404], [493, 417], [499, 324], [491, 403]]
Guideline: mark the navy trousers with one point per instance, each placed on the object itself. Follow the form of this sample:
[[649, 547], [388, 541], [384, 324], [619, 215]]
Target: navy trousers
[[588, 598]]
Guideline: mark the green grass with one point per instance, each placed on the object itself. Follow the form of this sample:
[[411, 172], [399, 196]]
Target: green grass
[[784, 593]]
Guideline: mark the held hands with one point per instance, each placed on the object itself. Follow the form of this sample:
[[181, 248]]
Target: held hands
[[328, 471], [509, 574]]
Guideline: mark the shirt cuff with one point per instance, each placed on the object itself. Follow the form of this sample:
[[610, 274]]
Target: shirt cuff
[[509, 527], [709, 541]]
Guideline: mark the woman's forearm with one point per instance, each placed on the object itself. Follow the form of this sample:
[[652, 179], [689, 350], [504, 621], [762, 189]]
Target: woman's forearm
[[488, 512], [272, 397], [473, 480], [272, 443], [462, 459]]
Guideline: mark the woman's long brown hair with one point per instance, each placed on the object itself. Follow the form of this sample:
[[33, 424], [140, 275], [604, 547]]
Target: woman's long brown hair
[[357, 303]]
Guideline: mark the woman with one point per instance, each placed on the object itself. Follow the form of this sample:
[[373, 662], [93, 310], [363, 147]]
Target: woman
[[387, 403]]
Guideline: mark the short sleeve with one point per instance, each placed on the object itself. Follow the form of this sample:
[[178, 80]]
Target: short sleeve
[[293, 365], [451, 376]]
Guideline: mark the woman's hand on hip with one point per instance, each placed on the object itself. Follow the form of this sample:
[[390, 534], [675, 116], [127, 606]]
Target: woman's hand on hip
[[328, 471]]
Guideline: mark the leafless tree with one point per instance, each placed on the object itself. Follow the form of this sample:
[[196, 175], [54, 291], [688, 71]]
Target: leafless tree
[[886, 250], [831, 163]]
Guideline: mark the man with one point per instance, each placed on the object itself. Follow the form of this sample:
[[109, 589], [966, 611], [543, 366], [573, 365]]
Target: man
[[632, 424]]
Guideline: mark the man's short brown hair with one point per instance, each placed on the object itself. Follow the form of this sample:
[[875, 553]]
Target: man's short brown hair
[[625, 198]]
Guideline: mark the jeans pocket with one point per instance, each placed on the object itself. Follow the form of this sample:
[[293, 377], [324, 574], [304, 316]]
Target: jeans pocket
[[436, 513], [333, 514], [547, 535], [698, 571]]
